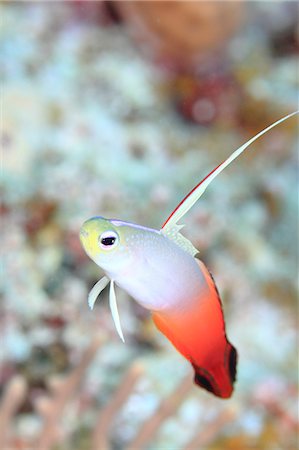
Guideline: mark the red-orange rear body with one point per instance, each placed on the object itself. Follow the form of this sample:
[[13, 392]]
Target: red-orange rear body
[[199, 335]]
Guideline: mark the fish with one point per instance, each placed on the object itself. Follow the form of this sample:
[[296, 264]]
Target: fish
[[160, 269]]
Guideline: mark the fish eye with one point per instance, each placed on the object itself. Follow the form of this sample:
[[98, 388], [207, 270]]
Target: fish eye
[[108, 240]]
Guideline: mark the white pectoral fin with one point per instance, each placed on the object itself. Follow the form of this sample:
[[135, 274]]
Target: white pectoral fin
[[96, 290], [196, 193], [114, 310]]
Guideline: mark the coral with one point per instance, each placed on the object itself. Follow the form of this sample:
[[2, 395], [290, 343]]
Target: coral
[[13, 396]]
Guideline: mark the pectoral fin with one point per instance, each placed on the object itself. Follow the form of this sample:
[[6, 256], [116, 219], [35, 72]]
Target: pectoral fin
[[96, 290], [199, 335], [114, 311]]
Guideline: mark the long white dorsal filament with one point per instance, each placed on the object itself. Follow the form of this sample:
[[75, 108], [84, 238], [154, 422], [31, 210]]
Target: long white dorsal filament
[[114, 310], [197, 192], [96, 290]]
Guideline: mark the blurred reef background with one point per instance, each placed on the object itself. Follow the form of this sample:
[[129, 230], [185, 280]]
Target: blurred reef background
[[119, 109]]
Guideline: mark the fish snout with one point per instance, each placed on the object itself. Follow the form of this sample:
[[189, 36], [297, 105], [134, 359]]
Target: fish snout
[[83, 233]]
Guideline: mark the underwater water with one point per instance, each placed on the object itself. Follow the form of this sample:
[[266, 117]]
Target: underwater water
[[101, 119]]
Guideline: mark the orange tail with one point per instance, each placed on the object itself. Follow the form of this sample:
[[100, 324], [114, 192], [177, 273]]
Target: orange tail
[[199, 335]]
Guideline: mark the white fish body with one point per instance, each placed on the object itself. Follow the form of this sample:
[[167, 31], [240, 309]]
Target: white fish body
[[148, 277]]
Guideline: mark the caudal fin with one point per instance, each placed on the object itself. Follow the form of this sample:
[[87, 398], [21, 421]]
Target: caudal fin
[[218, 379]]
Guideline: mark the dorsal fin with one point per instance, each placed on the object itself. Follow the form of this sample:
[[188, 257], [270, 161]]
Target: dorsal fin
[[183, 207], [174, 234]]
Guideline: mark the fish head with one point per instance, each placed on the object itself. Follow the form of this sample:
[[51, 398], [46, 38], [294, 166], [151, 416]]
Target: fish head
[[106, 244]]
